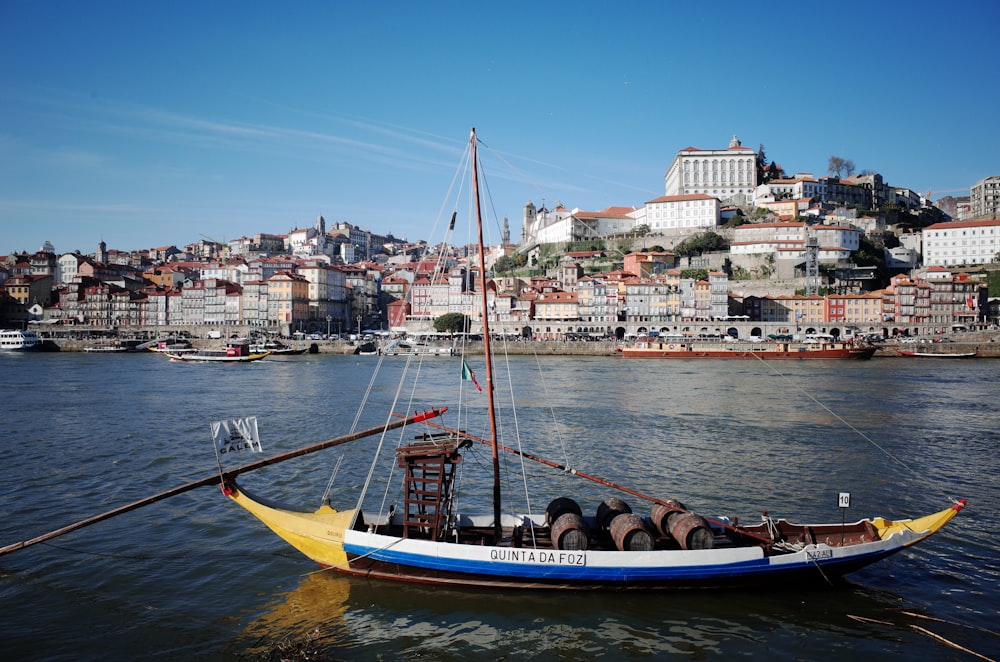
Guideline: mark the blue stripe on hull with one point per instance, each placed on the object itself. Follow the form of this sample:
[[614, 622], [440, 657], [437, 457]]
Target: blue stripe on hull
[[745, 573]]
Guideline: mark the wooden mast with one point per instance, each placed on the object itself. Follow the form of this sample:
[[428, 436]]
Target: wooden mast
[[487, 352]]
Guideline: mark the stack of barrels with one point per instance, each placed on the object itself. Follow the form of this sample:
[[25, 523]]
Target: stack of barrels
[[565, 520], [628, 531], [625, 527], [689, 530]]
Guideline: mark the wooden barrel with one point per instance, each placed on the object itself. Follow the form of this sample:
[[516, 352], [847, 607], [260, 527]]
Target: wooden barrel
[[691, 531], [661, 513], [559, 506], [569, 532], [609, 509], [629, 534]]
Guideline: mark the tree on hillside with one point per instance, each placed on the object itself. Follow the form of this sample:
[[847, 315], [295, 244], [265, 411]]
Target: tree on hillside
[[838, 166], [547, 256], [508, 263], [701, 243]]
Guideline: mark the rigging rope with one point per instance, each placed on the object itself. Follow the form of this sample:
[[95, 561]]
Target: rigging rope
[[847, 423]]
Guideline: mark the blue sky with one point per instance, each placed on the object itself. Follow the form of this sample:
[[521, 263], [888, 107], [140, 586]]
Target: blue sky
[[146, 124]]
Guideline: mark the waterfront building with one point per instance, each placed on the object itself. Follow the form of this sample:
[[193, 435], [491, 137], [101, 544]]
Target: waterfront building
[[556, 306], [961, 243], [795, 310], [718, 295], [648, 301], [156, 305], [327, 291], [853, 309], [254, 305], [906, 301], [429, 298], [288, 300], [592, 303]]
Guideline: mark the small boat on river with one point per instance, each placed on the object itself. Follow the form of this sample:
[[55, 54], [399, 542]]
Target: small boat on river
[[936, 355], [657, 347], [424, 535], [171, 345], [110, 348], [275, 348], [232, 353], [409, 348]]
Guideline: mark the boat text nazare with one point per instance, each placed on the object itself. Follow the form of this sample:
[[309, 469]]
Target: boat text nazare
[[406, 522], [15, 340], [655, 347]]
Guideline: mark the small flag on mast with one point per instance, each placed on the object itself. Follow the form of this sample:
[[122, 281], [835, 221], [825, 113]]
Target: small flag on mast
[[470, 376], [236, 435]]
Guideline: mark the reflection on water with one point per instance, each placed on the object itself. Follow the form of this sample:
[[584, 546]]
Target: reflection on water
[[194, 577], [353, 618]]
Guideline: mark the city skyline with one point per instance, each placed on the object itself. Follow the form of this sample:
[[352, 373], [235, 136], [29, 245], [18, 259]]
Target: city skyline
[[152, 125]]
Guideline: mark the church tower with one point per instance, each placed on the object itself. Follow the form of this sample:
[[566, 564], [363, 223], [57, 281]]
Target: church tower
[[528, 226]]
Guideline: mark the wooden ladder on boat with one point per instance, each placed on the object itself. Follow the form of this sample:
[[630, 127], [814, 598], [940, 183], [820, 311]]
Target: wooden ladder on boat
[[428, 479]]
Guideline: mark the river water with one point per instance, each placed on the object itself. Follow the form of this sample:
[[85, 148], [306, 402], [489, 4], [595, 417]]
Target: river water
[[195, 577]]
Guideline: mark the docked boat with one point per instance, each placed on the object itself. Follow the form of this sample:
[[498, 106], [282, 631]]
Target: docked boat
[[15, 340], [655, 347], [426, 537], [109, 348], [936, 355], [232, 353], [170, 345], [408, 348], [275, 348]]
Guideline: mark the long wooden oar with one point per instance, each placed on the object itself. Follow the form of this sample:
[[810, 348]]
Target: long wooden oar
[[216, 478]]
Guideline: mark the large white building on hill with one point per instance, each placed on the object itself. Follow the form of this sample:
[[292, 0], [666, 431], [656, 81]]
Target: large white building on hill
[[727, 174]]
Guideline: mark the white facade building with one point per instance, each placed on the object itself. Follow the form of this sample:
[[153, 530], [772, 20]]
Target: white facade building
[[788, 240], [674, 212], [798, 187], [961, 242], [727, 174]]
